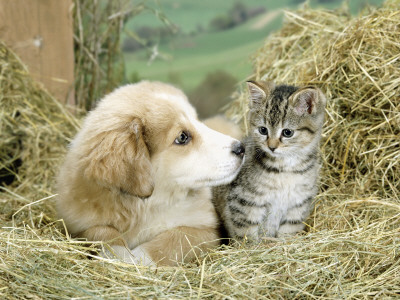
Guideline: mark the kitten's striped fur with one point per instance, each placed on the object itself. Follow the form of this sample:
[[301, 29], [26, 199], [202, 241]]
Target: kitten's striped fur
[[273, 193]]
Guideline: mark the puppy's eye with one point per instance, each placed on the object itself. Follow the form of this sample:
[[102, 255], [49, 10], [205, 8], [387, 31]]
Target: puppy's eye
[[287, 133], [263, 130], [183, 138]]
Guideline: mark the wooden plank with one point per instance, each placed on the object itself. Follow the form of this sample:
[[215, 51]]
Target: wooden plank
[[41, 33]]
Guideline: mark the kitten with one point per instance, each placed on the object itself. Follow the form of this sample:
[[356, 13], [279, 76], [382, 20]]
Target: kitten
[[273, 193]]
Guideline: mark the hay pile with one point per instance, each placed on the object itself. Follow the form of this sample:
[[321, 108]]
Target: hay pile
[[352, 247], [34, 127]]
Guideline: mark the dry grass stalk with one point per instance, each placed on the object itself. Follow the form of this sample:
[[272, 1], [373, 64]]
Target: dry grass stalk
[[99, 63], [352, 247]]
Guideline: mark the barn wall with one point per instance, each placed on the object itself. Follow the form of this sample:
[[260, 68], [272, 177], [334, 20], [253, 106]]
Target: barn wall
[[41, 33]]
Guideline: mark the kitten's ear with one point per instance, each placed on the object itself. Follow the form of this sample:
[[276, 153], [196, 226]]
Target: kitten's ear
[[259, 91], [308, 100]]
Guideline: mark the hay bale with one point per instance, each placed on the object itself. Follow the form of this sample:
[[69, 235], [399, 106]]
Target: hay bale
[[34, 128]]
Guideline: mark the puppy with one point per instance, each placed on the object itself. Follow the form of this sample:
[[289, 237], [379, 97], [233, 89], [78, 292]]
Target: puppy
[[138, 176]]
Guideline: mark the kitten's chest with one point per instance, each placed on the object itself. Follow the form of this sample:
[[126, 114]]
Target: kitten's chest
[[285, 190]]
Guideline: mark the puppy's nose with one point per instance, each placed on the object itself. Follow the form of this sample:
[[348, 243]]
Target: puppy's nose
[[238, 149]]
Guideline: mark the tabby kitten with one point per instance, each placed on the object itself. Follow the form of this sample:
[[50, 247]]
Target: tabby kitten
[[273, 193]]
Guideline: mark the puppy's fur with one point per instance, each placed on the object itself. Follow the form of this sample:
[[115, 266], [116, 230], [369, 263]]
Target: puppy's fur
[[127, 180]]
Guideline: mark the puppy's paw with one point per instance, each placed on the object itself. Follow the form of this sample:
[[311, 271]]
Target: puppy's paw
[[142, 257], [137, 256]]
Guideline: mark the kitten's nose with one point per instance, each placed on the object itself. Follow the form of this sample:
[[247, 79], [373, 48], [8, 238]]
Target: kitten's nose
[[273, 144], [238, 149]]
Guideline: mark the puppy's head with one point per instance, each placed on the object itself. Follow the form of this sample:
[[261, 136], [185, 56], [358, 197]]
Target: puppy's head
[[147, 133], [186, 152], [193, 155]]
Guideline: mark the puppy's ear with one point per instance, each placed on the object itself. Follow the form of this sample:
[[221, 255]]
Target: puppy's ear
[[119, 158], [308, 100]]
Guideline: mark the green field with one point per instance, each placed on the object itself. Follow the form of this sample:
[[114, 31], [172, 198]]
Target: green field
[[188, 14], [191, 58], [187, 59]]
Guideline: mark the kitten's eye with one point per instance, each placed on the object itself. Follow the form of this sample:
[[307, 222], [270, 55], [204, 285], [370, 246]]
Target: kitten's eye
[[287, 133], [263, 130], [183, 138]]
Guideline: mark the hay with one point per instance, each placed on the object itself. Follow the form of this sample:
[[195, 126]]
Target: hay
[[352, 247], [34, 127], [99, 61]]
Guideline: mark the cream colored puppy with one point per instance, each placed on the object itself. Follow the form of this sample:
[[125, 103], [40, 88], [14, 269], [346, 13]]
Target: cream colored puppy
[[138, 176]]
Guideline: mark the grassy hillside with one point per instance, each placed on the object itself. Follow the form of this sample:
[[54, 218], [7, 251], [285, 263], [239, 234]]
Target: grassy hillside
[[186, 60], [189, 14], [191, 58]]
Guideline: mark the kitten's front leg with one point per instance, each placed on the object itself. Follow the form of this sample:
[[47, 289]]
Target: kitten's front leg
[[245, 232], [271, 224], [288, 229], [294, 220], [239, 226]]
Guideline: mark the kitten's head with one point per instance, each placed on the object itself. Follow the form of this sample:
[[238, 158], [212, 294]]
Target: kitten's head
[[285, 120]]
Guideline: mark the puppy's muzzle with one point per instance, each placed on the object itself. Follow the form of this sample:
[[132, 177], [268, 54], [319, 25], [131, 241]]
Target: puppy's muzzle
[[238, 149]]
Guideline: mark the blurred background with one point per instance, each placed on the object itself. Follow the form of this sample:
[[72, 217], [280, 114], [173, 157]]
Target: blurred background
[[81, 50], [204, 47]]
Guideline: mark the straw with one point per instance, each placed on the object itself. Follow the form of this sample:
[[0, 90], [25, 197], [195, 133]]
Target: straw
[[351, 249]]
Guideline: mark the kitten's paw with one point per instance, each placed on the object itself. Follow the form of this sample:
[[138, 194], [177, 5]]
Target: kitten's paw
[[288, 230], [246, 239]]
